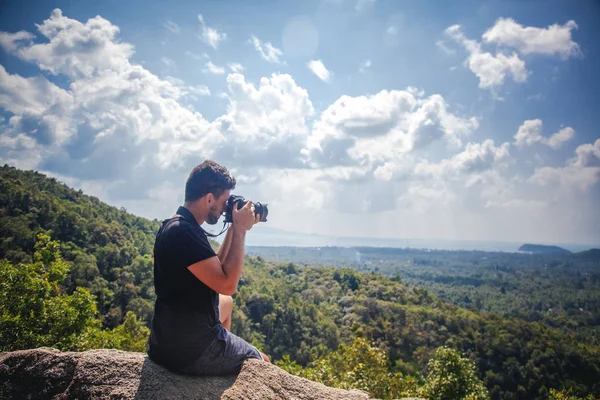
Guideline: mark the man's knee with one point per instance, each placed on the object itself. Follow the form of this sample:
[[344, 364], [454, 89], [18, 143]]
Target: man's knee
[[225, 301]]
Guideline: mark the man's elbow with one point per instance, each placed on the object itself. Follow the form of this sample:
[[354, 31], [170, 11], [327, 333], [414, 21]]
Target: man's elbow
[[230, 283], [228, 289]]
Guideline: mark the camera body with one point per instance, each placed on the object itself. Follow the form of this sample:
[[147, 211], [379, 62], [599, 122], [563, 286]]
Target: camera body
[[239, 202]]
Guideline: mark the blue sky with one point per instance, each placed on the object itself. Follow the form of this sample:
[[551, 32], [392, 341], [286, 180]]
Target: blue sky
[[397, 119]]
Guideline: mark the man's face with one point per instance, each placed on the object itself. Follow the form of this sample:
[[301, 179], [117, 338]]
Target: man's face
[[217, 208]]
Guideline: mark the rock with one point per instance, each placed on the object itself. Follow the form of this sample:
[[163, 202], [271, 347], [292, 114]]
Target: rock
[[47, 373]]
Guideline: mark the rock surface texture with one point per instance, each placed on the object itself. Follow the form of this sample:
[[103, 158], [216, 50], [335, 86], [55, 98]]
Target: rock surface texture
[[46, 373]]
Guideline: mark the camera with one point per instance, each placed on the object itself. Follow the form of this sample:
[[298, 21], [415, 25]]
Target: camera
[[239, 202]]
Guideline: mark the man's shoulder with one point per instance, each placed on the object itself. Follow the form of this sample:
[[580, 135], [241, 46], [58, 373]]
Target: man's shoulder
[[178, 225]]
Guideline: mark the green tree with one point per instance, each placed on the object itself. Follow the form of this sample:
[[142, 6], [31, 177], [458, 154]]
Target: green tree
[[451, 376], [33, 310], [356, 366]]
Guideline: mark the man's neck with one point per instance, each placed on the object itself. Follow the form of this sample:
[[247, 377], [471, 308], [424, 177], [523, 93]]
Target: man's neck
[[198, 215]]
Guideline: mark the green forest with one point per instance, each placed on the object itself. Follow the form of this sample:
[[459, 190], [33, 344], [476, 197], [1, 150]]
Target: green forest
[[76, 274]]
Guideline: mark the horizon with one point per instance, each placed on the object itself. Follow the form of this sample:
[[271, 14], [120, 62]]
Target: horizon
[[471, 122]]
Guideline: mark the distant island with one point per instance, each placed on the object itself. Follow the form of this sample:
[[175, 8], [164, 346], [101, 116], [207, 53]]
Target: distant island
[[543, 249]]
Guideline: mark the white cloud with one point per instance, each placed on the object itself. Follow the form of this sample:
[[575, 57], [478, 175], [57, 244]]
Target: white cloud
[[530, 132], [475, 159], [33, 96], [553, 40], [213, 69], [236, 67], [172, 26], [557, 139], [168, 62], [491, 70], [186, 90], [209, 35], [195, 56], [381, 129], [581, 171], [442, 46], [364, 66], [318, 68], [11, 41], [200, 90], [115, 119], [265, 125], [393, 162], [266, 50]]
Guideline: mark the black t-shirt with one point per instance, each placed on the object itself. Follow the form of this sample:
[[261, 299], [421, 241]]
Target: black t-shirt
[[186, 312]]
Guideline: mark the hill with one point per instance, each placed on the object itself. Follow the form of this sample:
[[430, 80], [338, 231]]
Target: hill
[[592, 255], [542, 249], [312, 321]]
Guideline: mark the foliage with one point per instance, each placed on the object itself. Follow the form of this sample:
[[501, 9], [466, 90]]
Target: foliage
[[33, 310], [356, 366], [451, 376], [308, 318]]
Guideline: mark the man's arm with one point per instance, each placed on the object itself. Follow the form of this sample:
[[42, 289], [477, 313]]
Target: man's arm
[[223, 275], [224, 248]]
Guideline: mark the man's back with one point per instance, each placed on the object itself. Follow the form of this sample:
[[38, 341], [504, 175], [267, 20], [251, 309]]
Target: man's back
[[186, 316]]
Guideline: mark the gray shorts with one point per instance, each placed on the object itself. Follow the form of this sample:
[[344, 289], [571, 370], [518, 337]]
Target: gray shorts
[[223, 357]]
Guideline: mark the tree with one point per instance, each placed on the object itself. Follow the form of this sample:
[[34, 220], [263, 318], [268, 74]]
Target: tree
[[359, 365], [451, 376], [33, 310]]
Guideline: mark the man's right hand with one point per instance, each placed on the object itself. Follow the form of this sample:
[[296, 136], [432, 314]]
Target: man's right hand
[[244, 217]]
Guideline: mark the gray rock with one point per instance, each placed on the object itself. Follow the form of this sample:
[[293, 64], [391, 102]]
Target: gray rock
[[46, 373]]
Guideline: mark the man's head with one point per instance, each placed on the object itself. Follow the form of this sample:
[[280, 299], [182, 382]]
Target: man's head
[[207, 188]]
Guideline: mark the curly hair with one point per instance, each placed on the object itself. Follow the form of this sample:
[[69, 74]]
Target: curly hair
[[208, 177]]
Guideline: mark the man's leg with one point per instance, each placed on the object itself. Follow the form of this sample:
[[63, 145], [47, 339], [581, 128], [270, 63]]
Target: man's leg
[[225, 310]]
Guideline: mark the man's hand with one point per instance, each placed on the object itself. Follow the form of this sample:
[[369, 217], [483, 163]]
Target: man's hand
[[265, 357], [245, 217]]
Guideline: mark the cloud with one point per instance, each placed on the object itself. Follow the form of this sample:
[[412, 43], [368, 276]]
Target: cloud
[[236, 67], [209, 35], [396, 162], [115, 120], [580, 172], [168, 62], [186, 90], [382, 128], [31, 97], [172, 26], [491, 70], [195, 56], [364, 66], [318, 68], [11, 41], [265, 125], [476, 158], [88, 49], [443, 47], [213, 69], [266, 50], [553, 40], [530, 133]]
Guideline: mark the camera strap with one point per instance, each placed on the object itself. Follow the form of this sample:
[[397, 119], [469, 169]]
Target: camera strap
[[184, 213]]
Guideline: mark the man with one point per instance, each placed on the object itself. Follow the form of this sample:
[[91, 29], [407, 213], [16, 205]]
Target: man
[[192, 314]]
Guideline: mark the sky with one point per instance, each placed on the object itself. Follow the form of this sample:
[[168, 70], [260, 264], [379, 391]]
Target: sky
[[354, 118]]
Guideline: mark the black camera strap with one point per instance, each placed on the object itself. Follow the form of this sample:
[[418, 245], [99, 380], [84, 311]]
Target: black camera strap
[[188, 216]]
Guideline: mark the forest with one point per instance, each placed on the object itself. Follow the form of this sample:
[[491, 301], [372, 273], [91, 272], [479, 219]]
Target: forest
[[560, 290], [76, 274]]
